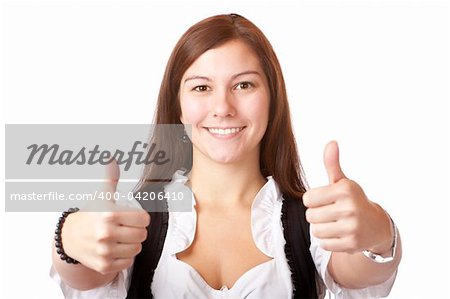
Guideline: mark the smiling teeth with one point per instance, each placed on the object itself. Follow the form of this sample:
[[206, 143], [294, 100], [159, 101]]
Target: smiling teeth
[[227, 131]]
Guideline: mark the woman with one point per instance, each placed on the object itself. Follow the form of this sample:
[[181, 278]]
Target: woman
[[223, 78]]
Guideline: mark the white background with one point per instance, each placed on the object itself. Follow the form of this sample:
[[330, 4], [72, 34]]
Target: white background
[[372, 75]]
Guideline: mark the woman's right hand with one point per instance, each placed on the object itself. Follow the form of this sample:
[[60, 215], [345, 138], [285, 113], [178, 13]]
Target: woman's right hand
[[106, 240]]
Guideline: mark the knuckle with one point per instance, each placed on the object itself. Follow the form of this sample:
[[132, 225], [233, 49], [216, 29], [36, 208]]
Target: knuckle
[[104, 233], [128, 263], [354, 185], [348, 209], [309, 214], [146, 217], [306, 199], [103, 266], [346, 188], [143, 236], [350, 187], [325, 245], [110, 216], [315, 231], [138, 248], [103, 251]]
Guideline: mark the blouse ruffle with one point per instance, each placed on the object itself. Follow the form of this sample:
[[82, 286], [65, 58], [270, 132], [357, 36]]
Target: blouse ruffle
[[262, 218]]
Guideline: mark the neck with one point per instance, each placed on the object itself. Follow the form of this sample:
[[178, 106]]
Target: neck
[[226, 185]]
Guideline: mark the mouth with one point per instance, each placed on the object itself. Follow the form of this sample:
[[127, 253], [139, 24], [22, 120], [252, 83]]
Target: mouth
[[225, 132]]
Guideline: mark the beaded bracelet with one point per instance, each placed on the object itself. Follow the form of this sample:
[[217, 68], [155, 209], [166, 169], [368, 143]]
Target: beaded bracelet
[[58, 240]]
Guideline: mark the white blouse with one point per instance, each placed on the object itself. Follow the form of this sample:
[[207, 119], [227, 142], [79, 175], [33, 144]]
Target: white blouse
[[174, 278]]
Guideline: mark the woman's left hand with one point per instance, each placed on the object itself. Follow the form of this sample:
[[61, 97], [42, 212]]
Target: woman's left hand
[[342, 216]]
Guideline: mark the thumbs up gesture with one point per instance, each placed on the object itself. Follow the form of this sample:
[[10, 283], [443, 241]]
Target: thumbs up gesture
[[106, 241], [341, 215]]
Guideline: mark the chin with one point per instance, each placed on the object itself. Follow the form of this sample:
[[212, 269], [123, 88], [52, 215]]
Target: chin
[[224, 159], [222, 155]]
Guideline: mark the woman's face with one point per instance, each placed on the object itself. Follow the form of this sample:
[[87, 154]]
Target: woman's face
[[225, 96]]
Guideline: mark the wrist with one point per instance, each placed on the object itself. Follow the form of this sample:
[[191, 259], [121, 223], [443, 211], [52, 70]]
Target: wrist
[[378, 254], [59, 240], [384, 248]]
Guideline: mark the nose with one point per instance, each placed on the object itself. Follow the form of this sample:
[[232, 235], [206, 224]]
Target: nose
[[223, 105]]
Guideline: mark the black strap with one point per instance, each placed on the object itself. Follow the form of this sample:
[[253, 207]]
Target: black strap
[[147, 260], [296, 234]]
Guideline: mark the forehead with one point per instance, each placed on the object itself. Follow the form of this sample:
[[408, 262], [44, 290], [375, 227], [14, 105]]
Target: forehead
[[226, 60]]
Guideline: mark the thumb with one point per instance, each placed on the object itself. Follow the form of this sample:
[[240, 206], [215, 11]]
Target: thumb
[[331, 161], [105, 200], [112, 176]]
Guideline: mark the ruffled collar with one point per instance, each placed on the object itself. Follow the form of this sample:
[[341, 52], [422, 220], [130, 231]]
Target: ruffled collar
[[182, 225]]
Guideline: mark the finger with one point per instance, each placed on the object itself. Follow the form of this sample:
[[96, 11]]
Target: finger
[[131, 235], [343, 244], [120, 264], [324, 214], [331, 161], [330, 230], [138, 218], [125, 251], [320, 196], [112, 176], [333, 244]]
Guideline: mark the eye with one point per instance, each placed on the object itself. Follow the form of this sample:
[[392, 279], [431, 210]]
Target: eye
[[244, 85], [201, 88]]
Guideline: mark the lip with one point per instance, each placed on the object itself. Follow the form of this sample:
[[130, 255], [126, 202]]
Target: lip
[[222, 134]]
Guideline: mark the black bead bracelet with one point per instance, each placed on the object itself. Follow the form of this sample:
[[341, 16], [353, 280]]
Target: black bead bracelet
[[58, 240]]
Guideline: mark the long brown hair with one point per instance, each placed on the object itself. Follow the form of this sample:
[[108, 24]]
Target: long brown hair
[[278, 156]]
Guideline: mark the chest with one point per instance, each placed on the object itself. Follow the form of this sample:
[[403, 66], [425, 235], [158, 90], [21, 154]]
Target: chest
[[223, 248]]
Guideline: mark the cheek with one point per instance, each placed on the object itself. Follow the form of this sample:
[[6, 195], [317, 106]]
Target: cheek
[[261, 109], [258, 108], [192, 112], [260, 115]]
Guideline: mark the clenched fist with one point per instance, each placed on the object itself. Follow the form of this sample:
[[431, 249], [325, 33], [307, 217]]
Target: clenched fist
[[106, 241], [341, 215]]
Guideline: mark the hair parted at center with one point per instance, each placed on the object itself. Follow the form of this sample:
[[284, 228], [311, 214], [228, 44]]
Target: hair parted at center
[[279, 156]]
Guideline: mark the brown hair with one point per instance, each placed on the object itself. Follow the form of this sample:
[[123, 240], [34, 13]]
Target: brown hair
[[278, 156]]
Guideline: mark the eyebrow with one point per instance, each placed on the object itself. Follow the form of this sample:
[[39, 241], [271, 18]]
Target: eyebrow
[[233, 77]]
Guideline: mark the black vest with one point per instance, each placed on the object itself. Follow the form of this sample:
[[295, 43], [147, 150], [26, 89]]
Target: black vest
[[296, 234]]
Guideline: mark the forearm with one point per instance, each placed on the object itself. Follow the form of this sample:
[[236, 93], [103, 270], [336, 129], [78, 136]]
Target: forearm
[[78, 276], [356, 271]]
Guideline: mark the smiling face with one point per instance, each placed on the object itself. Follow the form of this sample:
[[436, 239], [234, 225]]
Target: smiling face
[[224, 95]]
